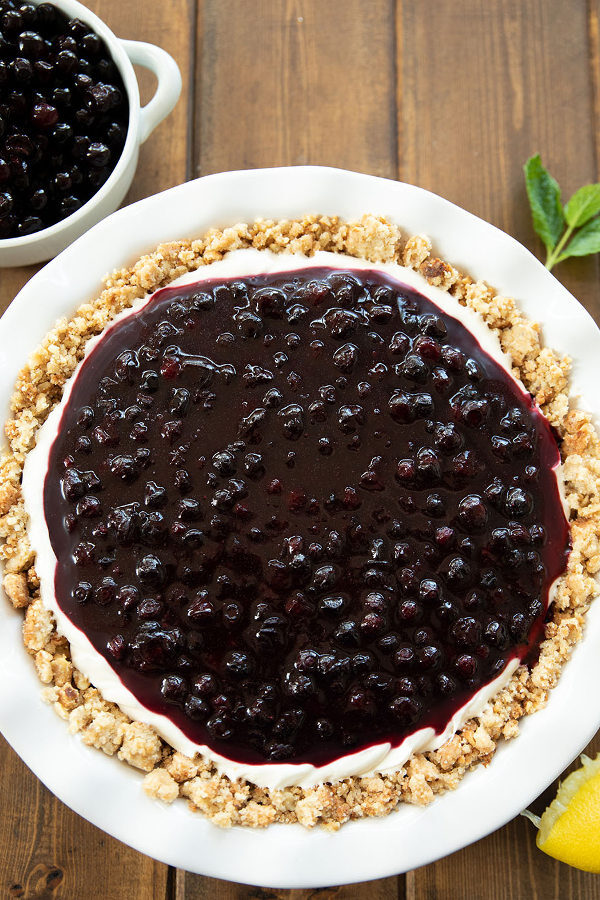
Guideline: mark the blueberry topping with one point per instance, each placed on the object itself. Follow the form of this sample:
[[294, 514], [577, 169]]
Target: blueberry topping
[[298, 514]]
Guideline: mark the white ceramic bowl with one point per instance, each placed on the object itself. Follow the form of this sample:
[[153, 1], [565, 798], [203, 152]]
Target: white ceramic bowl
[[107, 792], [33, 248]]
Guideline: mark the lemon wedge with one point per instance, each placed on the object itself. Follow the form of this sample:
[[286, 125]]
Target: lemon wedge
[[569, 829]]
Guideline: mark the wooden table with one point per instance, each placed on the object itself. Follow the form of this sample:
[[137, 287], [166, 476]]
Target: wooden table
[[452, 96]]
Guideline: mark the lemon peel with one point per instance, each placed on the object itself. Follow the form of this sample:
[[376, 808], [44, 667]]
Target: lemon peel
[[569, 829]]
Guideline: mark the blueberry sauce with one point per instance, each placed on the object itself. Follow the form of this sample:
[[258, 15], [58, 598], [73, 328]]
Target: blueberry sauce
[[63, 116], [302, 513]]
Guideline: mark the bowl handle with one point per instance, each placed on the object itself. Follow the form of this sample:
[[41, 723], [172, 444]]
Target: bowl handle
[[169, 83]]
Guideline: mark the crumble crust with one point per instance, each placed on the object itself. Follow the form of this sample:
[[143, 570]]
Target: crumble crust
[[170, 774]]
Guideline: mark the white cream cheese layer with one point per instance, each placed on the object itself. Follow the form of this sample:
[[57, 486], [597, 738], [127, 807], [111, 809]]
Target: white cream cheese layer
[[378, 758]]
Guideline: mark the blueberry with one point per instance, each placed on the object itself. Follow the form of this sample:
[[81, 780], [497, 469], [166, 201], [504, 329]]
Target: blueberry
[[347, 634], [117, 646], [404, 710], [458, 573], [102, 98], [205, 685], [124, 467], [196, 708], [324, 729], [447, 438], [401, 408], [472, 513], [66, 61], [445, 685], [82, 592], [174, 689], [475, 413], [430, 657], [150, 570], [465, 632], [350, 418], [89, 507], [23, 72], [68, 205], [73, 484], [414, 369], [98, 154], [428, 467], [518, 503], [29, 225], [299, 686], [6, 203], [153, 647], [220, 727], [433, 326], [292, 421], [224, 462], [31, 44], [333, 605], [238, 664], [269, 302], [12, 21], [345, 357], [360, 704]]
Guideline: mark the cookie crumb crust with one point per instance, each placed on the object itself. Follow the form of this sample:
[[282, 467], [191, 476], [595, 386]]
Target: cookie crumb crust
[[169, 774]]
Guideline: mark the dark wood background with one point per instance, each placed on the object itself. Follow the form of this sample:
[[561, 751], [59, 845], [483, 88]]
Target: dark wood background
[[451, 96]]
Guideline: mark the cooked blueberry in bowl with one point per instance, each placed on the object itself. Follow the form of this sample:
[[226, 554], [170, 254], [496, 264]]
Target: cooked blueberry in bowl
[[64, 116], [71, 123]]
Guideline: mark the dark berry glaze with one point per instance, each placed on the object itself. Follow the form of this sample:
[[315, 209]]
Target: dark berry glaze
[[302, 513]]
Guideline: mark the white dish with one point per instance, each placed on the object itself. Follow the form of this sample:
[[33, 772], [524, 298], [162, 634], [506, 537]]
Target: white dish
[[109, 793], [33, 248]]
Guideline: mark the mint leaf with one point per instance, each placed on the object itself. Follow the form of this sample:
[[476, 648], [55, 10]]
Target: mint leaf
[[583, 205], [584, 242], [544, 200]]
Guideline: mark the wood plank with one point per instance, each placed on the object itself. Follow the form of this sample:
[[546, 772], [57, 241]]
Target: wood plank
[[488, 99], [50, 851], [53, 852], [11, 282], [191, 887], [312, 83], [163, 159]]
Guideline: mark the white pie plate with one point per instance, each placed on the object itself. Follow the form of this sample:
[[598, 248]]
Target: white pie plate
[[108, 793]]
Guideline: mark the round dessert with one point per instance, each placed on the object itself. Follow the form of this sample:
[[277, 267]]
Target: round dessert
[[63, 116], [300, 513]]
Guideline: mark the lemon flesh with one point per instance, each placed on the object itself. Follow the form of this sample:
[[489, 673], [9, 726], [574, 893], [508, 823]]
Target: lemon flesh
[[570, 827]]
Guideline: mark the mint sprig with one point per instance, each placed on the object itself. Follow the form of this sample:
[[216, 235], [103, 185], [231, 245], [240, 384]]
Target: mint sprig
[[572, 230]]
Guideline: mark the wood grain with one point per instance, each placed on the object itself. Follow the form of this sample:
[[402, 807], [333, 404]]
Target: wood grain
[[163, 159], [488, 98], [296, 82], [11, 282], [192, 887], [49, 851]]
